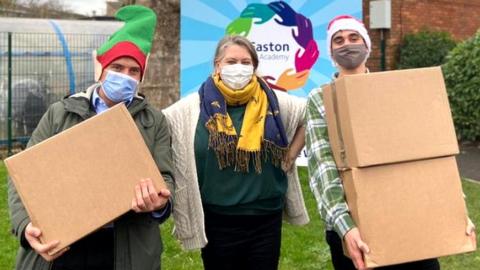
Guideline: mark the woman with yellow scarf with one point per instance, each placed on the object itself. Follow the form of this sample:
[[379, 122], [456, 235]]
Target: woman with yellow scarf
[[229, 141]]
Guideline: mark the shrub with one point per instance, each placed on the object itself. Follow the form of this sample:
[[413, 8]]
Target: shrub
[[462, 76], [425, 49]]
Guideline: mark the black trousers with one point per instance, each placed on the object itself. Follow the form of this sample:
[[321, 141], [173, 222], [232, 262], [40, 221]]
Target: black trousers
[[341, 262], [242, 242], [94, 252]]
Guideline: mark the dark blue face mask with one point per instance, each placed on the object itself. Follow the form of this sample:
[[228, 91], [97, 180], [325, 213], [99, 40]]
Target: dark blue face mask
[[119, 87]]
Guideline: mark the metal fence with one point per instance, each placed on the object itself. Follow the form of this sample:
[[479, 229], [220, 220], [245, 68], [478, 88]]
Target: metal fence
[[36, 70]]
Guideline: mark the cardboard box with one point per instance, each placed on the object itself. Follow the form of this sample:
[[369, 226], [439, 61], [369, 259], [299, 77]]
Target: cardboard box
[[408, 211], [83, 178], [388, 117]]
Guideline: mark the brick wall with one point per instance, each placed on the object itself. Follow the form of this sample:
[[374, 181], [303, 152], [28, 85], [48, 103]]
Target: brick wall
[[461, 18]]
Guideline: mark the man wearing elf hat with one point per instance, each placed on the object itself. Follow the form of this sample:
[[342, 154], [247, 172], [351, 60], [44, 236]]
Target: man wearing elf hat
[[132, 242], [349, 47]]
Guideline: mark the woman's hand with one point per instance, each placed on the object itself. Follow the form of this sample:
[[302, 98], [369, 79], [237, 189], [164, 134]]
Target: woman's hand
[[296, 146]]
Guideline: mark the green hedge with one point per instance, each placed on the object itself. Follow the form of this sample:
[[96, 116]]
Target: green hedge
[[424, 49], [462, 76]]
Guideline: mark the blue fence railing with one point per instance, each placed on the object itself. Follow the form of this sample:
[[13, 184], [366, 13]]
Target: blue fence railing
[[36, 70]]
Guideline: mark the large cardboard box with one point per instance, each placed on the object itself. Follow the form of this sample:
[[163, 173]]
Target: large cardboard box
[[408, 211], [388, 117], [84, 177]]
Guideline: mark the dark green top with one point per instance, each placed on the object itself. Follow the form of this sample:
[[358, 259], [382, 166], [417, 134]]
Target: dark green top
[[236, 193]]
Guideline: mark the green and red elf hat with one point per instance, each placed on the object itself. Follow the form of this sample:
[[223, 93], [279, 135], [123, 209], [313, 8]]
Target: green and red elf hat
[[134, 39]]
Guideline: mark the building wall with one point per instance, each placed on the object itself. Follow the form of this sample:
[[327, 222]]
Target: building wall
[[460, 18]]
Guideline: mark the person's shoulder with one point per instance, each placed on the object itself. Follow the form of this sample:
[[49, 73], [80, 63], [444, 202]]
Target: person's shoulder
[[151, 109], [192, 97], [316, 96], [152, 116], [180, 105], [284, 96], [56, 108], [316, 93]]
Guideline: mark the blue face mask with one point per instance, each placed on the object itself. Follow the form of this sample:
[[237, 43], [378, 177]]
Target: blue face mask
[[119, 87]]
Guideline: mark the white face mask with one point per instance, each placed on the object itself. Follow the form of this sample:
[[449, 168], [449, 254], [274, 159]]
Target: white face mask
[[236, 76]]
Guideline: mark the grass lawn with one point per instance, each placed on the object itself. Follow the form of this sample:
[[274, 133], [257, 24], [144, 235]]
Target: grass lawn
[[302, 247]]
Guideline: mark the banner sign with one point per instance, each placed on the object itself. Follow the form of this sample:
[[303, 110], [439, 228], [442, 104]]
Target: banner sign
[[289, 37]]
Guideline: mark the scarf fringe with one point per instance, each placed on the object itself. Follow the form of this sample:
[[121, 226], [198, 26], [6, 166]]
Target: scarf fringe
[[225, 147], [274, 152]]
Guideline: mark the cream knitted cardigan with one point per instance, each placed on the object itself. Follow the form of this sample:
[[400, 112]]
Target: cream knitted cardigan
[[182, 118]]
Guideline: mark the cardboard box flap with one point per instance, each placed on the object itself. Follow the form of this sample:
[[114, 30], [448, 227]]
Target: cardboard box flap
[[82, 178]]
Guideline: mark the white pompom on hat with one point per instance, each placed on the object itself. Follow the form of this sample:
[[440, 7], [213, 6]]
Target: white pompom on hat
[[346, 22]]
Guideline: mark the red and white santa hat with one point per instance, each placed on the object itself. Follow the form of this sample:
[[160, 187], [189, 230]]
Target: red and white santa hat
[[346, 22]]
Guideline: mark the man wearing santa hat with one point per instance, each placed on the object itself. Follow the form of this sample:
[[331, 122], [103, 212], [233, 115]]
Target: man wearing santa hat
[[349, 47]]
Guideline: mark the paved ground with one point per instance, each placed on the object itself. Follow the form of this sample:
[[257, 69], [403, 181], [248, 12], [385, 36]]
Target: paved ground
[[469, 160]]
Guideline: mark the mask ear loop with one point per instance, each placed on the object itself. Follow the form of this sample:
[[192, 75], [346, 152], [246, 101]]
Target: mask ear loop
[[144, 68], [140, 83]]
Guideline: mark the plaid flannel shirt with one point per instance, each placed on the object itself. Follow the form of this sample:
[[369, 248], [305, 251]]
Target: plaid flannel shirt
[[325, 181]]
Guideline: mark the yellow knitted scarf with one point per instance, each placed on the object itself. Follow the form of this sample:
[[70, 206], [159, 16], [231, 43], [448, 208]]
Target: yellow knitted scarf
[[251, 133]]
